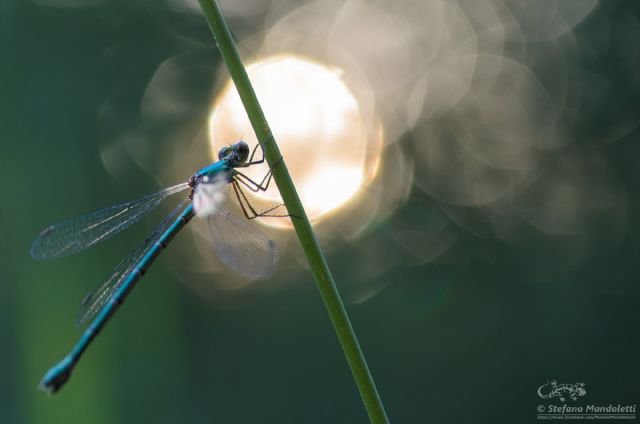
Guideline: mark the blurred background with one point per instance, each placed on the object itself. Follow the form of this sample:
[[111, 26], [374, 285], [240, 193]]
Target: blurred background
[[471, 169]]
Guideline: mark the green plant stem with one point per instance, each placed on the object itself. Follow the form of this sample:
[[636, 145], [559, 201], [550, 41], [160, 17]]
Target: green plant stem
[[303, 229]]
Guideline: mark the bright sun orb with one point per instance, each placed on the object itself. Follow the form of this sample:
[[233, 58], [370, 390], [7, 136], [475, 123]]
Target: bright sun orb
[[317, 123]]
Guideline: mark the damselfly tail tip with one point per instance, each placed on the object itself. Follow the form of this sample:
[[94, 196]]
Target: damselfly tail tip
[[56, 377]]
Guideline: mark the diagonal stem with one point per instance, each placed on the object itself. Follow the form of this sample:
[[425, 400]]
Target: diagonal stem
[[303, 229]]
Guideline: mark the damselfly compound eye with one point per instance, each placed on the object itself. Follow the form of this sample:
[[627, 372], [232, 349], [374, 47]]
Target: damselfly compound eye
[[223, 153]]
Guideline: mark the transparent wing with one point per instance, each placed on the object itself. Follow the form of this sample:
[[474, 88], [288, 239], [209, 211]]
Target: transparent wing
[[74, 235], [241, 246], [210, 194], [96, 299]]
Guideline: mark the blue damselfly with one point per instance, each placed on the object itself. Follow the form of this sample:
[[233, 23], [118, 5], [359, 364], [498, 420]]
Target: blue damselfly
[[239, 245]]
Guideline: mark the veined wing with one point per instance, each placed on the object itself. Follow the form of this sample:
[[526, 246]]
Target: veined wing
[[96, 299], [74, 235], [241, 246], [210, 194]]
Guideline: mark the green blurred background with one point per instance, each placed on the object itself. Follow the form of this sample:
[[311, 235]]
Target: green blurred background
[[468, 337]]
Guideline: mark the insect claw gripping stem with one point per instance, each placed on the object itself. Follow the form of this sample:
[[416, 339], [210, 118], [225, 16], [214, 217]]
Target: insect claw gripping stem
[[252, 185]]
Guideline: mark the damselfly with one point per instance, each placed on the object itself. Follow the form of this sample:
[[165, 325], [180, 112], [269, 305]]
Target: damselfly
[[239, 245]]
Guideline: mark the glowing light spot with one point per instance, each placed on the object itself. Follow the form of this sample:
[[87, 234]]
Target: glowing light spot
[[317, 122], [331, 186]]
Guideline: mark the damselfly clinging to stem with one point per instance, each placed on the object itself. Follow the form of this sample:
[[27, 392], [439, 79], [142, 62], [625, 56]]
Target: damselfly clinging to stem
[[238, 244]]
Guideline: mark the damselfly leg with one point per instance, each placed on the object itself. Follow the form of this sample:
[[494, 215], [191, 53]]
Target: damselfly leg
[[248, 210], [255, 149], [239, 178], [254, 186]]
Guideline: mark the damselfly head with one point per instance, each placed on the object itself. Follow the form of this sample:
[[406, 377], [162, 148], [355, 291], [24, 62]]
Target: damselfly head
[[242, 151], [238, 152]]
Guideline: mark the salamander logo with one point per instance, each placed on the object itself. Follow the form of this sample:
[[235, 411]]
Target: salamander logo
[[561, 391]]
